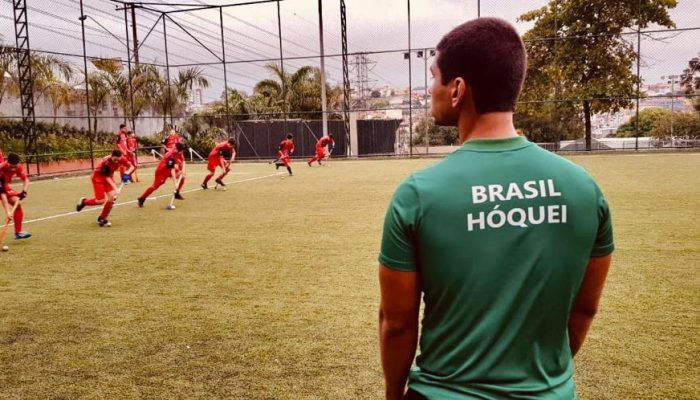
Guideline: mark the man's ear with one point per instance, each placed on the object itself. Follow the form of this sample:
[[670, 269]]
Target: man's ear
[[458, 91]]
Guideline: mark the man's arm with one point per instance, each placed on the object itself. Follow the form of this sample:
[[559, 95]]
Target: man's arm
[[398, 327], [586, 304], [111, 183]]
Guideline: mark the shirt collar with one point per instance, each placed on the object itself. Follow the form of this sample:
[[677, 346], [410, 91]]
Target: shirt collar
[[495, 145]]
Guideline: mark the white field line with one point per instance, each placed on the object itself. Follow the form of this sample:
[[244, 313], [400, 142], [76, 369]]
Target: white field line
[[134, 201], [87, 176]]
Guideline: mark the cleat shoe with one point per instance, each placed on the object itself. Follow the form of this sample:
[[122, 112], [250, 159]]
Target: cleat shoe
[[102, 222], [141, 201], [277, 166], [81, 204], [309, 163], [22, 235], [178, 196], [220, 183], [204, 186]]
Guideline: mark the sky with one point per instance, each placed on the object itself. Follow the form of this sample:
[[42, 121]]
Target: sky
[[251, 33]]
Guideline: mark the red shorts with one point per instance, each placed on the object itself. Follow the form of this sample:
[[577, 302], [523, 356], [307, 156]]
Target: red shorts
[[11, 192], [162, 175], [213, 163], [284, 158], [320, 153], [101, 188]]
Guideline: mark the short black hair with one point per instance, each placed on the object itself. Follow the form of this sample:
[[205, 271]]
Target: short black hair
[[231, 140], [122, 126], [179, 146], [129, 132], [116, 153], [490, 56], [13, 159], [289, 136], [330, 135]]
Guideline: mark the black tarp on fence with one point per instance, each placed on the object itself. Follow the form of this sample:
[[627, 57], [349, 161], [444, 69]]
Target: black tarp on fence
[[259, 139]]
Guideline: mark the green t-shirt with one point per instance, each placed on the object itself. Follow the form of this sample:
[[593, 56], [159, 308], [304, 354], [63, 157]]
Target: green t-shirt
[[500, 232]]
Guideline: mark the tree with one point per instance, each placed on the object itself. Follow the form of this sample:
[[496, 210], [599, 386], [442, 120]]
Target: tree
[[592, 60], [690, 80], [649, 119], [438, 135], [170, 96], [298, 93], [677, 125]]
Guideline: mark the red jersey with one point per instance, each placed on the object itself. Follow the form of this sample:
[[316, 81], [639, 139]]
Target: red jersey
[[120, 142], [1, 156], [131, 144], [286, 146], [325, 141], [7, 173], [106, 168], [171, 140], [171, 159], [223, 149]]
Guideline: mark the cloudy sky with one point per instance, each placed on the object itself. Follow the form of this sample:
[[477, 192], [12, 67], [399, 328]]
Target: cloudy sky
[[251, 33]]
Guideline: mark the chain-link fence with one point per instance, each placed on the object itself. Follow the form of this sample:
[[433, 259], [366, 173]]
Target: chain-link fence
[[603, 75]]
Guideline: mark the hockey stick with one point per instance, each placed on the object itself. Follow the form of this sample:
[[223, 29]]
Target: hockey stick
[[7, 223]]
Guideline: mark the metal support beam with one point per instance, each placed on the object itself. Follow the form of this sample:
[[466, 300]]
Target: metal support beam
[[346, 74], [169, 98], [87, 86], [284, 77], [26, 82], [223, 62], [324, 115], [410, 85], [130, 76]]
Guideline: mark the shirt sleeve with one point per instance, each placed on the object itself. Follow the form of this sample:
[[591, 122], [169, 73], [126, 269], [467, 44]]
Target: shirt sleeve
[[604, 243], [398, 249]]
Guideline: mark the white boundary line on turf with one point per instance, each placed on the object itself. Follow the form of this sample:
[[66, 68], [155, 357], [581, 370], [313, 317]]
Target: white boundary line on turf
[[134, 201], [84, 176]]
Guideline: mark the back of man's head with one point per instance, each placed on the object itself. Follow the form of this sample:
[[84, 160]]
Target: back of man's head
[[490, 56], [13, 159]]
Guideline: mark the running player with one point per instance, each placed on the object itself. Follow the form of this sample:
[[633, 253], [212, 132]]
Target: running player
[[221, 156], [285, 149], [132, 146], [321, 149], [170, 141], [120, 143], [103, 183], [171, 166], [8, 169]]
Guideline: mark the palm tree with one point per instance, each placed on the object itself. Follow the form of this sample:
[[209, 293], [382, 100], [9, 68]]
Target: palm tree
[[171, 96], [298, 93]]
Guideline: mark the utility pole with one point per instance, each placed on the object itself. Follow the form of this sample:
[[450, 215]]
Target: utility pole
[[134, 33]]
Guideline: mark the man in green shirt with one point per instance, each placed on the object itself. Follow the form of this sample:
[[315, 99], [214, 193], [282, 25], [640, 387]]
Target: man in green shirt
[[508, 244]]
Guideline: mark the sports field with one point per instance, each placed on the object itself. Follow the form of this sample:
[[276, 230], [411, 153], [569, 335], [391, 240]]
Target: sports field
[[269, 290]]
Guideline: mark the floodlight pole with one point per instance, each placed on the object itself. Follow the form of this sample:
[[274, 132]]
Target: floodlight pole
[[284, 77], [167, 69], [410, 86], [128, 63], [87, 86], [223, 62], [324, 116]]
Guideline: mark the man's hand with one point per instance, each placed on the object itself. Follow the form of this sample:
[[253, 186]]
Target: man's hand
[[23, 195]]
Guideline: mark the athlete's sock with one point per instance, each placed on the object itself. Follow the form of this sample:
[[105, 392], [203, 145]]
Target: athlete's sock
[[106, 209], [90, 202], [290, 170], [17, 219], [207, 178], [182, 183]]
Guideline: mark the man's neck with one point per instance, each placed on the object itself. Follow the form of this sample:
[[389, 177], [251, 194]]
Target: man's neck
[[498, 125]]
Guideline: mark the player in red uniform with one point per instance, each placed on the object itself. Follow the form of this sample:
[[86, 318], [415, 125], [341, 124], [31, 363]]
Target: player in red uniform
[[171, 166], [132, 146], [320, 149], [221, 156], [103, 183], [2, 158], [8, 169], [285, 149], [171, 140], [120, 144]]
